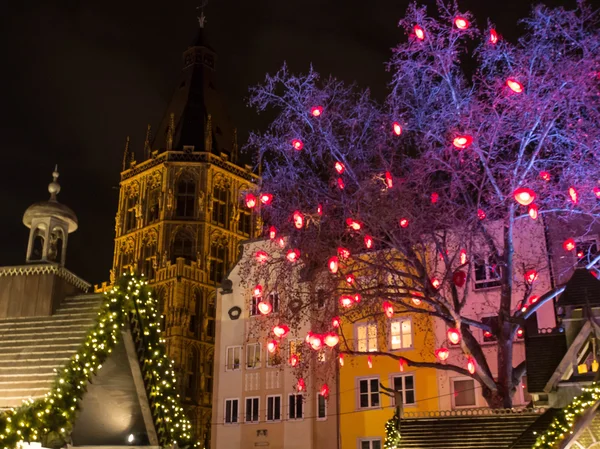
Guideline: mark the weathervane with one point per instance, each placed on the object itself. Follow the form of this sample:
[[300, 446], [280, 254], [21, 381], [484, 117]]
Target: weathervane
[[202, 17]]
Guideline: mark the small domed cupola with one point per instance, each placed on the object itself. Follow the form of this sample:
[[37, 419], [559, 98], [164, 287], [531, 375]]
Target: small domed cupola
[[50, 223]]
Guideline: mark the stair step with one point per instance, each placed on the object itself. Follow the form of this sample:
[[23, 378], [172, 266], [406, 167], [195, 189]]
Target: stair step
[[57, 322], [41, 342], [47, 331]]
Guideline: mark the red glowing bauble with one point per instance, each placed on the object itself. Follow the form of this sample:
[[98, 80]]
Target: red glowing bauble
[[316, 111], [419, 32], [493, 36], [404, 222], [344, 253], [442, 354], [354, 224], [301, 386], [596, 191], [471, 365], [388, 180], [453, 335], [574, 195], [346, 301], [357, 297], [463, 256], [533, 211], [293, 255], [266, 198], [401, 364], [434, 198], [481, 214], [261, 256], [462, 141], [533, 299], [250, 201], [331, 339], [388, 309], [545, 176], [520, 333], [514, 85], [397, 128], [320, 209], [461, 23], [316, 341], [487, 334], [272, 346], [531, 276], [524, 196], [340, 183], [335, 321], [435, 282], [333, 264], [297, 144], [339, 167], [350, 279], [569, 244], [459, 278], [370, 362], [298, 219], [257, 292], [341, 359], [281, 242], [416, 301], [265, 307], [281, 330], [368, 241], [272, 232], [324, 391], [294, 360]]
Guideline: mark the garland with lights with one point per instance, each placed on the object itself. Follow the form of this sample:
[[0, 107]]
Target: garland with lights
[[49, 420], [392, 435], [562, 424]]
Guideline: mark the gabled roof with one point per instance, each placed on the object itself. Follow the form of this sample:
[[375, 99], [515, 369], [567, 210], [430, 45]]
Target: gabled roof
[[543, 353], [581, 290]]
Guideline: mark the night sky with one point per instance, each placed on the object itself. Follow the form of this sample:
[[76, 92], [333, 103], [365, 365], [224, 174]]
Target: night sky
[[78, 77]]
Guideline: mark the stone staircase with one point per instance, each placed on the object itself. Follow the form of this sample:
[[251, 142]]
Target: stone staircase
[[32, 348]]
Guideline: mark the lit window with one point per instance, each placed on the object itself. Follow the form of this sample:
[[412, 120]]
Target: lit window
[[371, 443], [273, 408], [406, 386], [487, 272], [274, 300], [220, 199], [366, 337], [368, 393], [321, 407], [231, 411], [295, 406], [295, 347], [273, 358], [253, 355], [252, 409], [254, 305], [186, 198], [464, 393], [232, 359], [153, 210], [401, 334]]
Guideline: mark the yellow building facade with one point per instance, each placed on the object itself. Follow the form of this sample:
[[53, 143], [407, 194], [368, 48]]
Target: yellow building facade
[[180, 221], [364, 406]]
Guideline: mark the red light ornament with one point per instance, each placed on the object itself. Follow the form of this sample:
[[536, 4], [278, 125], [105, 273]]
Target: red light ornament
[[388, 309], [250, 201], [294, 360], [261, 256], [344, 253], [272, 346], [341, 184], [281, 330], [596, 191], [389, 181], [419, 32], [350, 278], [493, 36], [341, 359], [281, 242], [463, 256], [346, 301], [293, 255], [481, 214], [320, 209], [442, 354], [298, 219], [434, 198], [297, 144], [459, 278], [266, 198], [520, 333], [257, 291], [471, 365], [316, 111], [265, 307], [462, 141], [514, 85], [574, 195], [354, 224], [324, 391], [524, 196], [301, 385], [533, 299], [357, 297], [435, 282], [453, 335], [461, 23], [335, 321], [397, 128], [370, 362], [339, 167], [333, 264], [404, 222], [545, 176], [272, 232], [531, 276], [569, 244], [533, 211], [368, 241], [331, 339], [316, 342]]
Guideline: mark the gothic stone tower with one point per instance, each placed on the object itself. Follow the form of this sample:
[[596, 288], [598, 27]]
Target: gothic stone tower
[[180, 222]]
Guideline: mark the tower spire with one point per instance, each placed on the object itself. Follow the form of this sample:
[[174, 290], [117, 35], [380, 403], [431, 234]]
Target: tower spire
[[126, 154], [201, 16], [147, 147], [170, 131]]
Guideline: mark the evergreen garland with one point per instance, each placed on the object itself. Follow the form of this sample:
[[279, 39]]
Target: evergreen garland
[[50, 420], [392, 435]]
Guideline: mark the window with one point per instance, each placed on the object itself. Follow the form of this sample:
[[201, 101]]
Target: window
[[232, 359], [253, 355], [183, 246], [210, 328], [231, 411], [401, 334], [492, 322], [295, 406], [245, 225], [218, 258], [252, 409], [190, 375], [368, 393], [186, 198], [148, 257], [273, 408], [487, 272], [274, 358], [295, 348], [130, 213], [321, 407], [372, 443], [366, 337], [585, 250], [274, 300], [219, 213], [464, 392], [320, 298], [254, 305], [153, 211], [406, 385]]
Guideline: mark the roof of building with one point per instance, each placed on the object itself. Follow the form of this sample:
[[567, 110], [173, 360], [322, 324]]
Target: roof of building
[[467, 429], [543, 353], [582, 289]]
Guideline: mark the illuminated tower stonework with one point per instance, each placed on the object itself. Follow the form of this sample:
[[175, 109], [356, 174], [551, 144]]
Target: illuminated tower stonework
[[180, 221]]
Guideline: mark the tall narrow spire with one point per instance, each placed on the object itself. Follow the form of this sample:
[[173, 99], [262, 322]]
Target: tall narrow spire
[[126, 154], [201, 16], [170, 131], [208, 138], [147, 147], [234, 146]]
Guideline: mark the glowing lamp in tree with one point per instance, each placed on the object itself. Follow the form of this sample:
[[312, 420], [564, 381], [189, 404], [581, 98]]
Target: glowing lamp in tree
[[402, 363], [463, 256], [524, 196], [297, 144], [281, 242], [344, 253], [545, 176], [350, 278], [533, 300], [333, 264], [308, 336], [293, 255], [370, 362], [257, 292], [481, 214], [272, 232], [462, 141], [331, 339], [335, 321], [266, 198], [471, 365], [453, 335], [353, 224], [434, 197], [524, 308], [514, 85], [388, 180], [298, 219], [520, 333], [419, 32], [368, 241], [416, 301], [341, 184], [324, 391], [346, 301], [574, 195], [596, 191], [316, 342], [265, 307], [569, 244], [316, 111], [320, 209], [487, 334], [294, 360], [442, 354], [461, 23], [435, 282], [339, 167], [459, 278], [531, 276], [388, 309], [281, 330], [250, 201], [341, 359], [300, 385], [357, 298], [397, 128], [532, 210], [261, 256], [493, 38], [404, 222], [272, 346]]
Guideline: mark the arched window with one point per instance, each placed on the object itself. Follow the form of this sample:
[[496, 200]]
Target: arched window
[[148, 259], [245, 224], [220, 199], [153, 206], [218, 263], [130, 216], [186, 198], [191, 375], [37, 249], [55, 248], [183, 246]]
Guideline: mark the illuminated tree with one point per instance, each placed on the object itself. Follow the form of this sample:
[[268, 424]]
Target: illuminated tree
[[477, 141]]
